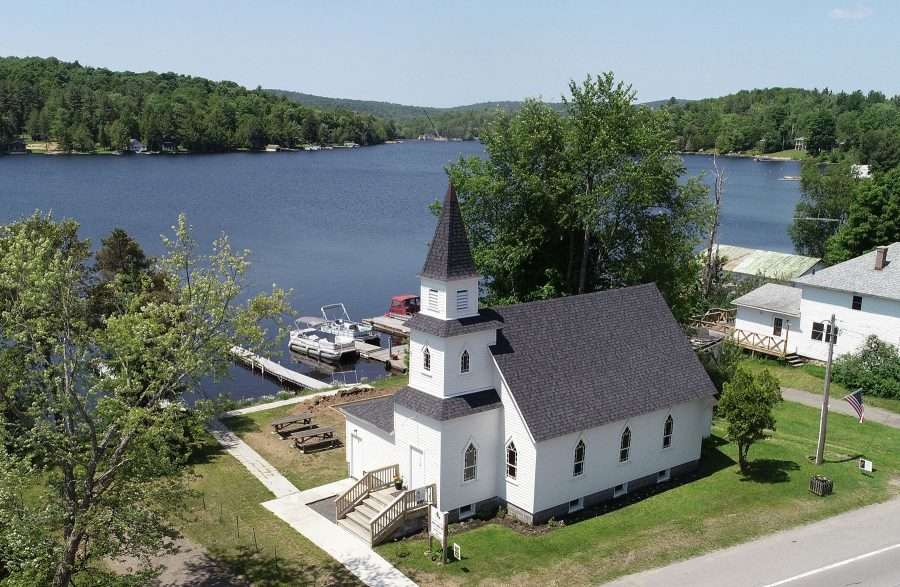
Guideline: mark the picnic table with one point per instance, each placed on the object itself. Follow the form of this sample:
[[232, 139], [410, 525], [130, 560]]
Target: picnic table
[[314, 438], [303, 418]]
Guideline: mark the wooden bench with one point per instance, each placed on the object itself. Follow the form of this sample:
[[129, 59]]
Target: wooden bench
[[303, 419], [314, 439]]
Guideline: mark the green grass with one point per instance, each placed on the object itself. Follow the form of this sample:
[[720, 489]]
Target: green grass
[[721, 508], [788, 153], [285, 557], [811, 378]]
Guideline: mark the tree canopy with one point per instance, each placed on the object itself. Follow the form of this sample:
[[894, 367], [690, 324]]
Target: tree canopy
[[746, 405], [94, 407], [83, 108], [583, 201]]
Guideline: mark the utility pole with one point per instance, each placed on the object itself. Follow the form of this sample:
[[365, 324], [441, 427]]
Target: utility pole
[[823, 422]]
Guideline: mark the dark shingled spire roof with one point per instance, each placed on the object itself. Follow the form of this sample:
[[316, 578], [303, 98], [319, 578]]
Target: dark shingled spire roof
[[449, 256]]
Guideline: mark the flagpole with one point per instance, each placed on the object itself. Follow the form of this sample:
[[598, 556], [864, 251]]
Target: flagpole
[[823, 421]]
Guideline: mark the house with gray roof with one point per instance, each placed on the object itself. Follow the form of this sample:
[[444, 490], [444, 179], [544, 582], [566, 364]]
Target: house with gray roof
[[545, 407], [862, 293]]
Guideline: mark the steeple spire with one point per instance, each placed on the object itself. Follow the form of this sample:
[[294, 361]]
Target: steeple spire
[[449, 256]]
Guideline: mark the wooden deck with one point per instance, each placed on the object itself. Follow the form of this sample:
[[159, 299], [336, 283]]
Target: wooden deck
[[383, 355], [276, 370], [719, 320], [388, 325]]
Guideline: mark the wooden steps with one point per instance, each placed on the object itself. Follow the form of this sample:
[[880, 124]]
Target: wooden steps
[[358, 520], [795, 360]]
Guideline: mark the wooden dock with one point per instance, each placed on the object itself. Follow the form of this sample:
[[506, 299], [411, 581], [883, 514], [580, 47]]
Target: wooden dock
[[388, 325], [383, 355], [276, 370]]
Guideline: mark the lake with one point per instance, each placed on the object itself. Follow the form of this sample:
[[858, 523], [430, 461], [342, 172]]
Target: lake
[[345, 225]]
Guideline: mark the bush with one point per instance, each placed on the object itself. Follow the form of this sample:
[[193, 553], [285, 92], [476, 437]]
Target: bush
[[875, 368]]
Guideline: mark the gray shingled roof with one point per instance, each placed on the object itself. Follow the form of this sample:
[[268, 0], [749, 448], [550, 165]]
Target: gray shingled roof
[[581, 361], [378, 411], [485, 320], [783, 299], [449, 256], [859, 275], [449, 408]]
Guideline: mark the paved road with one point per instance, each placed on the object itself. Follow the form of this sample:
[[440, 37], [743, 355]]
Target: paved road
[[855, 548], [836, 404]]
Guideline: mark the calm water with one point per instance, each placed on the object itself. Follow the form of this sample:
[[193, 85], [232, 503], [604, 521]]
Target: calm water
[[342, 225]]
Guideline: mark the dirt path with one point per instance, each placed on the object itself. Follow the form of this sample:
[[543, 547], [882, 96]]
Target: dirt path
[[191, 566]]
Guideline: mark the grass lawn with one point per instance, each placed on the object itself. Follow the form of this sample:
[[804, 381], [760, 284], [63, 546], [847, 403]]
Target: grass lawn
[[787, 153], [303, 470], [720, 508], [811, 378], [284, 557]]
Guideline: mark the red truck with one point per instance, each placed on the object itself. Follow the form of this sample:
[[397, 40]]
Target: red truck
[[403, 306]]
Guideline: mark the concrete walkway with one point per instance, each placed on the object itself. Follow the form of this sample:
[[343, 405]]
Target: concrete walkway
[[836, 404], [861, 547], [291, 506]]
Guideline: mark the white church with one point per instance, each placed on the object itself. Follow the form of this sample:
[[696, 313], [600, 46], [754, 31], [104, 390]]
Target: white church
[[543, 408]]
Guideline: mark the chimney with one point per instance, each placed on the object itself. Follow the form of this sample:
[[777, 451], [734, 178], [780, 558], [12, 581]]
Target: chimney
[[880, 258]]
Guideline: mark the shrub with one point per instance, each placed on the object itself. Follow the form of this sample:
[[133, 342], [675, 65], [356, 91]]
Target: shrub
[[875, 368]]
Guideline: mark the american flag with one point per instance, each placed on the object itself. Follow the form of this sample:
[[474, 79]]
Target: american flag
[[856, 402]]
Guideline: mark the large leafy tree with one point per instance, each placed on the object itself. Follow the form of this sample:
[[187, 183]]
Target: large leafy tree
[[587, 201], [747, 405], [95, 409], [827, 191], [874, 218]]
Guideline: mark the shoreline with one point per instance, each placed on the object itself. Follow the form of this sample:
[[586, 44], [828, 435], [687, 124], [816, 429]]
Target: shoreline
[[739, 156]]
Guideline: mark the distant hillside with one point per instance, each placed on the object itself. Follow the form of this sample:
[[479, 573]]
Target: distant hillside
[[391, 110], [463, 122]]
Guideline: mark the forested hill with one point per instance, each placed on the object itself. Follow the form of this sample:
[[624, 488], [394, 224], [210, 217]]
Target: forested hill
[[85, 109], [866, 126], [463, 122]]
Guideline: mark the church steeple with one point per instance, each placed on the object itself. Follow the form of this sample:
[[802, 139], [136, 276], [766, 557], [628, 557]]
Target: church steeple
[[449, 257]]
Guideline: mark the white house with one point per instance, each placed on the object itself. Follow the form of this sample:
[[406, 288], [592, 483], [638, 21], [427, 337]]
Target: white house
[[863, 294], [544, 407]]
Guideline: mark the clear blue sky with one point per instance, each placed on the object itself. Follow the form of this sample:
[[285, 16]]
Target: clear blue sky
[[449, 53]]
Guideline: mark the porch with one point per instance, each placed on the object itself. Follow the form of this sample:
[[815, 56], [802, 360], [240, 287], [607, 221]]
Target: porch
[[718, 323], [375, 510]]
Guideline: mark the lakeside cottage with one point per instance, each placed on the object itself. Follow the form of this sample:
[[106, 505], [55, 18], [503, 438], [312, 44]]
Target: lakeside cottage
[[544, 407], [863, 293]]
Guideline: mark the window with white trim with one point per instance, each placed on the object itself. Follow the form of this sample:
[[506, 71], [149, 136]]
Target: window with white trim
[[512, 460], [663, 475], [857, 303], [578, 466], [426, 359], [576, 504], [466, 511], [668, 429], [462, 300], [625, 445], [433, 300], [822, 331], [470, 463], [464, 362], [620, 490]]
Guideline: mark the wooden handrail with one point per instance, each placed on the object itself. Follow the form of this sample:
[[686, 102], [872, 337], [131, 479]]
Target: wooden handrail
[[371, 481], [754, 341], [406, 502]]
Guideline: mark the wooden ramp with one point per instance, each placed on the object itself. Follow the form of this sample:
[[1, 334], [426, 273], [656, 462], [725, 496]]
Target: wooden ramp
[[388, 325], [382, 355], [277, 370]]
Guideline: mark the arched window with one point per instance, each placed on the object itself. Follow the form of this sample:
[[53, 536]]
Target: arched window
[[470, 464], [426, 359], [464, 362], [625, 445], [668, 429], [578, 467], [512, 460]]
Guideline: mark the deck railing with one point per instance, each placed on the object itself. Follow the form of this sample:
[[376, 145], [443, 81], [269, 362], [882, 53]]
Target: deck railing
[[758, 342], [715, 319], [371, 481], [409, 501]]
